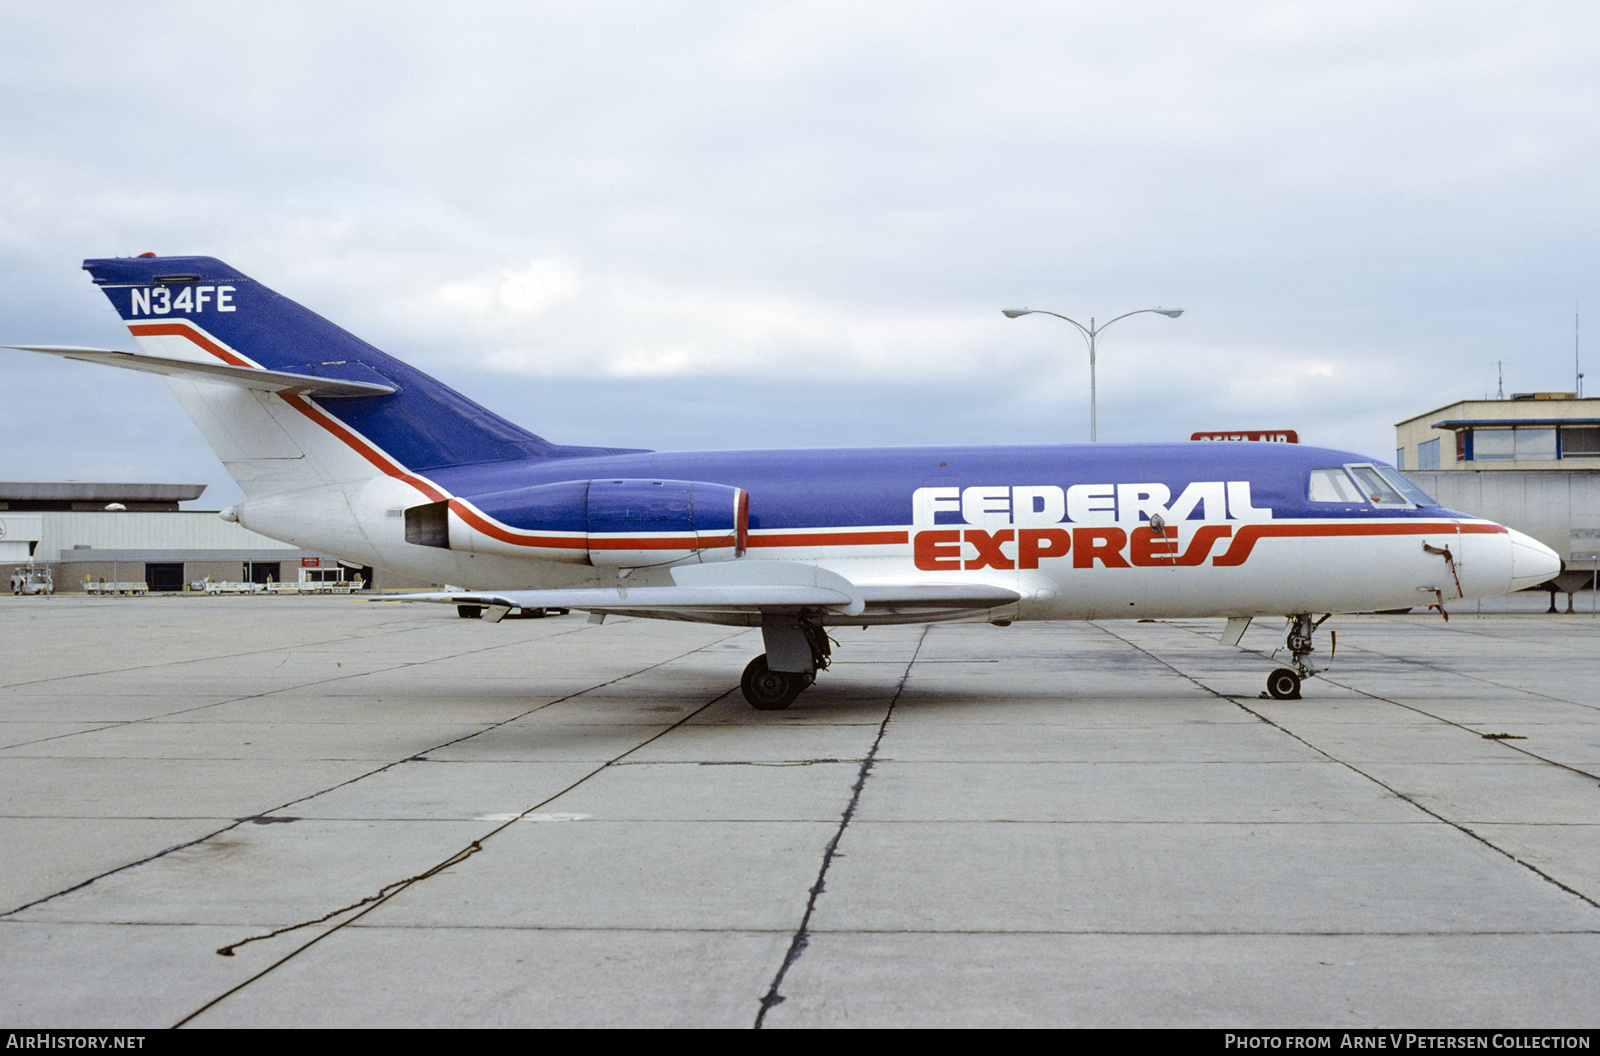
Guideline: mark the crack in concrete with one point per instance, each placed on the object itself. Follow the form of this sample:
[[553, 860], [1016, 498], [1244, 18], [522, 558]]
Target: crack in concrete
[[371, 902], [802, 936]]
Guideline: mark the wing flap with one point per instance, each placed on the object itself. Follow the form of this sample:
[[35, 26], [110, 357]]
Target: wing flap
[[248, 377], [896, 597]]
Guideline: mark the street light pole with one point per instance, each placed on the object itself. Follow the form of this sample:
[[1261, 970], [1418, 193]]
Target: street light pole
[[1089, 333]]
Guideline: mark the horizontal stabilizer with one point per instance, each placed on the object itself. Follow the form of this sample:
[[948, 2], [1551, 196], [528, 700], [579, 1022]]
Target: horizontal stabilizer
[[248, 377]]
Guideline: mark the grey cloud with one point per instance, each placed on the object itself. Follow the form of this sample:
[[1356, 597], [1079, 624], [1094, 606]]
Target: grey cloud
[[1396, 192]]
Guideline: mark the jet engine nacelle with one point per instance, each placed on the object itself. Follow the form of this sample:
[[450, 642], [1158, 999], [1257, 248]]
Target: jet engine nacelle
[[609, 523]]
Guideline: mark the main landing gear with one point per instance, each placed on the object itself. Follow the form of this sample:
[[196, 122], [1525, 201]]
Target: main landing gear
[[797, 648], [1284, 683]]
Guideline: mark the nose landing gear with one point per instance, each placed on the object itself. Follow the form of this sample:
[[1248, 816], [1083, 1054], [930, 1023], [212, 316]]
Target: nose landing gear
[[1284, 683]]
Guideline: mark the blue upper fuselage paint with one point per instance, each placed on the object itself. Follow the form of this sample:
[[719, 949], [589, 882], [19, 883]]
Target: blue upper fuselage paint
[[866, 487], [436, 432]]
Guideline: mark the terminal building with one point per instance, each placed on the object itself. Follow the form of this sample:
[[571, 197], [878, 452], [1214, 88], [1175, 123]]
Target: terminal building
[[87, 536], [1531, 462]]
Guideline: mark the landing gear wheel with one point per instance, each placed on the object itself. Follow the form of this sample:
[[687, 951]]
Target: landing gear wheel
[[469, 612], [768, 690], [1284, 684]]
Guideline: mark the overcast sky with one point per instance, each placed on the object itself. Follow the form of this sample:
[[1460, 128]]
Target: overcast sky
[[703, 224]]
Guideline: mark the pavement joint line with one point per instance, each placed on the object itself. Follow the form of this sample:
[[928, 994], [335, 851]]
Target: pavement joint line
[[801, 938], [1353, 768], [1458, 826], [400, 666], [383, 631], [73, 733], [743, 762], [264, 819], [615, 929], [389, 891], [1500, 740], [1415, 661], [1434, 666], [195, 660], [415, 757]]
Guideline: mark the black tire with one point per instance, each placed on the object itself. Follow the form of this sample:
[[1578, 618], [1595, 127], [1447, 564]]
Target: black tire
[[768, 690], [469, 612], [1283, 684]]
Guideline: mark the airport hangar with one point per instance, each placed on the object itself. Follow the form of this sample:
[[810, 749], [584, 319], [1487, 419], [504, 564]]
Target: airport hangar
[[90, 534]]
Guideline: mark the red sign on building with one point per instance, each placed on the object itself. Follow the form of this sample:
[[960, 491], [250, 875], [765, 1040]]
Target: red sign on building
[[1275, 436], [311, 562]]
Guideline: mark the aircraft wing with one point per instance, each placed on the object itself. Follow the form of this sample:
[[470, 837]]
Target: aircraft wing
[[747, 587], [248, 377], [685, 600]]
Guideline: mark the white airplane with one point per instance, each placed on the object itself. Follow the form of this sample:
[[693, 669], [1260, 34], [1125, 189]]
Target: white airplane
[[343, 449]]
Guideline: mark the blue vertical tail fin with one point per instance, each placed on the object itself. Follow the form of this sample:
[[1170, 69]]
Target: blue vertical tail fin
[[200, 308]]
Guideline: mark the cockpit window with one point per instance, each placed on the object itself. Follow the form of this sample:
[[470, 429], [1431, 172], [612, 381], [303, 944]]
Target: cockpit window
[[1404, 486], [1333, 485], [1376, 488], [1357, 483]]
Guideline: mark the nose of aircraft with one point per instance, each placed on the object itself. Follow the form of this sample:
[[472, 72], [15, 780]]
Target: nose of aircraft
[[1531, 561]]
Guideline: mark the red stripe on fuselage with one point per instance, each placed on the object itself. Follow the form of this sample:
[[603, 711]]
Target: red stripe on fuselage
[[517, 537], [662, 542], [1244, 540]]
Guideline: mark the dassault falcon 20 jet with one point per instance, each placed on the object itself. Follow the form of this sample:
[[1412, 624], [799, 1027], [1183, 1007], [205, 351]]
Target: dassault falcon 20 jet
[[343, 449]]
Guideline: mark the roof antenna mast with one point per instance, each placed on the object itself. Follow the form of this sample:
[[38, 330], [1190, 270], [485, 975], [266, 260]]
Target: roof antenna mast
[[1577, 366]]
